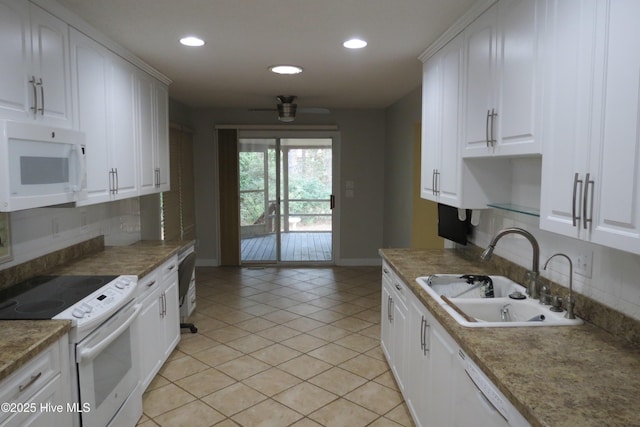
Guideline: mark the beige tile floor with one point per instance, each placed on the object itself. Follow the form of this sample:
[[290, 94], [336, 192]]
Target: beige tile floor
[[280, 347]]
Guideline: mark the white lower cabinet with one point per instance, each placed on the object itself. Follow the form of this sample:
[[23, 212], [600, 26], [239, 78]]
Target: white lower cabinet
[[431, 354], [158, 324], [436, 378], [394, 322], [40, 384]]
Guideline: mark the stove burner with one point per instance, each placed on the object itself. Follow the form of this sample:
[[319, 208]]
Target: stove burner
[[40, 306], [8, 304], [88, 282]]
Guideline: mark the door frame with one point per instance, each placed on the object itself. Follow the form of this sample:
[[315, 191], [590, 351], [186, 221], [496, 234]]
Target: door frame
[[335, 179]]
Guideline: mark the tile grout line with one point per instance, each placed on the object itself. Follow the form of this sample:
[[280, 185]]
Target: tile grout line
[[237, 302]]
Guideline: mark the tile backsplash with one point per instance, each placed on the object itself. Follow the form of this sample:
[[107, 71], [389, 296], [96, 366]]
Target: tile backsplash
[[36, 232], [614, 276]]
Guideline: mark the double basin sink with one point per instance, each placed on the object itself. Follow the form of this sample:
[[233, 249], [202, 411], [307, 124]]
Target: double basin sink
[[490, 301]]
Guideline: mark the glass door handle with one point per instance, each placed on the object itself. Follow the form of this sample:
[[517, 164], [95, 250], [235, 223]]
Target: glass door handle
[[332, 202]]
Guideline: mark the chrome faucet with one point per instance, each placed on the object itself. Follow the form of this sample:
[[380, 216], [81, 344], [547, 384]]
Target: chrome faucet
[[505, 316], [532, 287], [570, 302]]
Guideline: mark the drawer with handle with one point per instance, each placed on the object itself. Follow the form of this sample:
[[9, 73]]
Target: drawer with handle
[[20, 386]]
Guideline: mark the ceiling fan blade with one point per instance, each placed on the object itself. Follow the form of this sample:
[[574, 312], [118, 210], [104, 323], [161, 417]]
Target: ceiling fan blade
[[263, 109], [314, 110]]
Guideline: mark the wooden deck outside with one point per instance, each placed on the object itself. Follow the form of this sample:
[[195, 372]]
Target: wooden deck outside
[[296, 246]]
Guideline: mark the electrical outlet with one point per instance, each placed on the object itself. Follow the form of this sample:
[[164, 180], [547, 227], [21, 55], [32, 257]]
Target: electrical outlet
[[55, 227], [583, 263]]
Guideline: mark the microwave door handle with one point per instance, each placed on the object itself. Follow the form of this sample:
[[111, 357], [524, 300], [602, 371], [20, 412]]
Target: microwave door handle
[[82, 170], [91, 352]]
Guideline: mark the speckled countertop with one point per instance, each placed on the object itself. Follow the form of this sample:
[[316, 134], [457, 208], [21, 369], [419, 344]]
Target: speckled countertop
[[556, 376], [138, 259], [21, 340]]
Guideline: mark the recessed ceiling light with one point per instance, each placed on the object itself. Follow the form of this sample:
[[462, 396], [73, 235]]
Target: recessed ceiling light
[[354, 44], [286, 69], [192, 41]]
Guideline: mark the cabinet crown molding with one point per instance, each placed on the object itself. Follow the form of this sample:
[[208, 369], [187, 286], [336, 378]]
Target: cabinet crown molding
[[477, 9], [77, 22]]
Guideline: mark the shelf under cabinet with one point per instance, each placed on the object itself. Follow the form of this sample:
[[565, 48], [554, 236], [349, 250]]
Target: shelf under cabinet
[[527, 210]]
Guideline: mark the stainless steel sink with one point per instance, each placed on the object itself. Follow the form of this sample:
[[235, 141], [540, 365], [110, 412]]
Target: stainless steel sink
[[466, 302]]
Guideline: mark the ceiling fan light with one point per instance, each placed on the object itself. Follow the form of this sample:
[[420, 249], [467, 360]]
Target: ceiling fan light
[[285, 69], [287, 112], [286, 118]]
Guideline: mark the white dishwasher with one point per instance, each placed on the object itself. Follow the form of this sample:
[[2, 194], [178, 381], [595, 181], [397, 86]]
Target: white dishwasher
[[477, 401]]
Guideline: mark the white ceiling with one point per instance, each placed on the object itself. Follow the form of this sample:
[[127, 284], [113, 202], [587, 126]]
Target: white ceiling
[[244, 37]]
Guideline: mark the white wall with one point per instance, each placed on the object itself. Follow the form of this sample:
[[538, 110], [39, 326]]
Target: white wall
[[36, 232], [362, 161]]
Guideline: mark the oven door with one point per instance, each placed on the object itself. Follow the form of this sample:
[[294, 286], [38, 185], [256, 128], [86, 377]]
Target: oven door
[[107, 362]]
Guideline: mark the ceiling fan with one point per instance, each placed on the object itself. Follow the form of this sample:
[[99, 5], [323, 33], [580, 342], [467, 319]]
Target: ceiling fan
[[287, 108]]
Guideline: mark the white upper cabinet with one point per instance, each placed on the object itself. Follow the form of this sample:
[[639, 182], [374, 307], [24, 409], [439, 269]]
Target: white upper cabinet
[[153, 134], [90, 94], [35, 83], [122, 129], [615, 155], [145, 133], [441, 163], [103, 96], [430, 161], [445, 177], [591, 161], [502, 98], [570, 80]]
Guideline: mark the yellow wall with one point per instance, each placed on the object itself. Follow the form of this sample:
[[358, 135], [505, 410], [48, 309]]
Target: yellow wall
[[424, 227]]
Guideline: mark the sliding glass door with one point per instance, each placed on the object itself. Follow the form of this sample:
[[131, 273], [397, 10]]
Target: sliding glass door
[[286, 201]]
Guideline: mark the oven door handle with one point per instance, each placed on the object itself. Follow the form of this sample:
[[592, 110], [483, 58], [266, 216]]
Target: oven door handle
[[91, 352]]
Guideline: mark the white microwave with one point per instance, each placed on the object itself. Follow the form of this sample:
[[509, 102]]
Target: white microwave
[[40, 166]]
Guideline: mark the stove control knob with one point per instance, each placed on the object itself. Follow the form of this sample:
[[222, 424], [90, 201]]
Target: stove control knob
[[121, 284], [76, 312], [86, 307]]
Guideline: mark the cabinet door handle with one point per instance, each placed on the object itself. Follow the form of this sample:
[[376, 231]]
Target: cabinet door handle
[[436, 182], [41, 109], [34, 108], [433, 182], [111, 182], [486, 129], [426, 347], [117, 181], [157, 176], [422, 343], [164, 303], [493, 119], [32, 380], [586, 201], [574, 212], [390, 309]]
